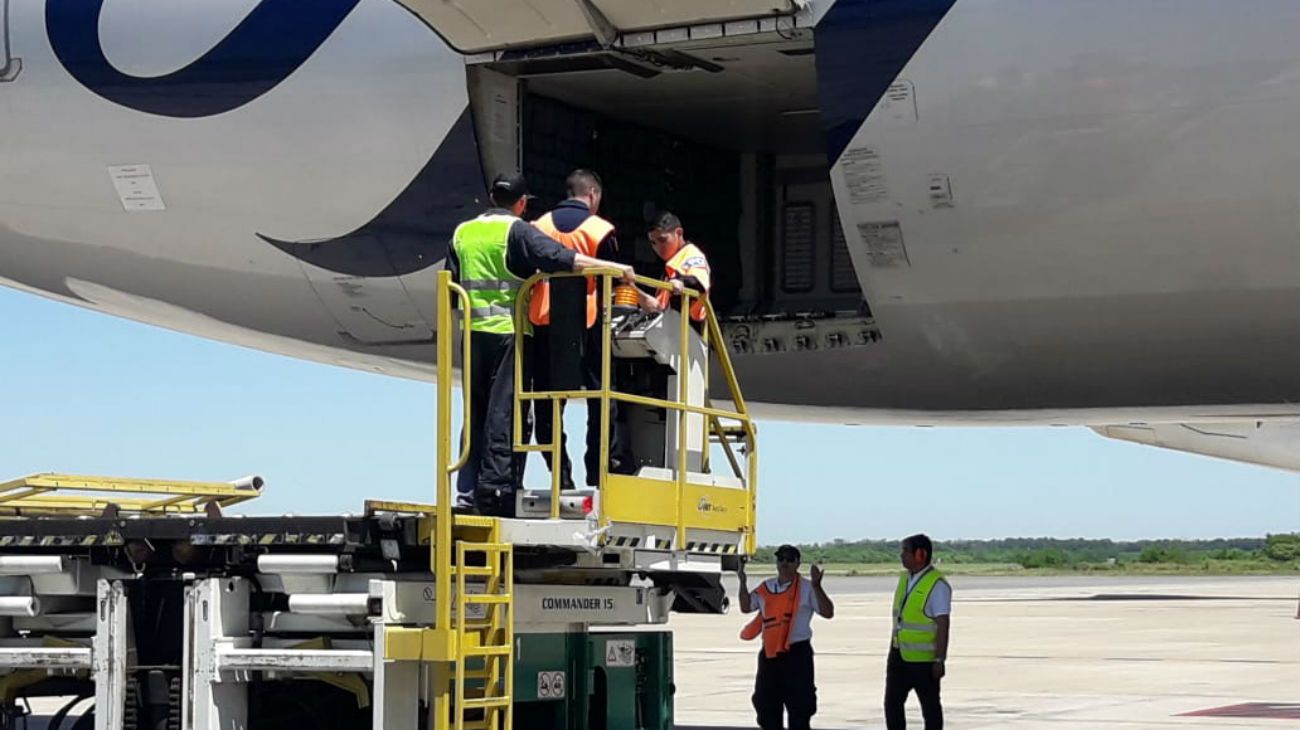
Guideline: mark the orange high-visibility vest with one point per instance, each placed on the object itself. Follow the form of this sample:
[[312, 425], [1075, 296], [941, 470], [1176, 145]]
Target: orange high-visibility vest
[[584, 239], [775, 620], [688, 261]]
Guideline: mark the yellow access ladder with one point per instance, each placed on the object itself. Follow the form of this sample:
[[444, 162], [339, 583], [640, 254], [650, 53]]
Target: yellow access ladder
[[472, 640], [483, 676]]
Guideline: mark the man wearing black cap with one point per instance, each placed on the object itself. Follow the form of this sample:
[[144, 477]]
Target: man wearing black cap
[[491, 256], [785, 606]]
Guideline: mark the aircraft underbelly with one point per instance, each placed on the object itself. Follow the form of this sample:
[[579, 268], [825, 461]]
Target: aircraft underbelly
[[1063, 205]]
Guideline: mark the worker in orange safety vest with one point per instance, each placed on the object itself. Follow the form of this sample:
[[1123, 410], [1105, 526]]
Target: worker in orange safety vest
[[564, 352], [785, 604], [685, 266]]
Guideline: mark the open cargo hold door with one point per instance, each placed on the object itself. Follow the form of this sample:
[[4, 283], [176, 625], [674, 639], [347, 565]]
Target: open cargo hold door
[[478, 26]]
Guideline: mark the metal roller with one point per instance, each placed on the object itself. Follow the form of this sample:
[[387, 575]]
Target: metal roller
[[330, 604], [20, 606], [32, 564], [249, 482], [308, 564]]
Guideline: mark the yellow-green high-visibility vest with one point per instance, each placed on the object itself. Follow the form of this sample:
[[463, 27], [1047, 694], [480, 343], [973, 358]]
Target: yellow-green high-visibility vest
[[480, 244], [914, 632]]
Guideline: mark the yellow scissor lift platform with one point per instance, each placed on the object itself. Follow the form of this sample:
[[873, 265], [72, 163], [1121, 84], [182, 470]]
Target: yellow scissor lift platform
[[673, 503], [416, 611]]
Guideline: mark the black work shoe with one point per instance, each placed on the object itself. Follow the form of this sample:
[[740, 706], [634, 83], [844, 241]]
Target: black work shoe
[[495, 502]]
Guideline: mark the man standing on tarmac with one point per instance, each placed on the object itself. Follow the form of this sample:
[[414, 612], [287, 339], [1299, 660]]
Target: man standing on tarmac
[[919, 638], [785, 606], [491, 256], [685, 266], [566, 343]]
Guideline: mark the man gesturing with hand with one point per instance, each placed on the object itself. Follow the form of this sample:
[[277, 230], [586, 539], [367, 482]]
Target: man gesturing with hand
[[785, 683]]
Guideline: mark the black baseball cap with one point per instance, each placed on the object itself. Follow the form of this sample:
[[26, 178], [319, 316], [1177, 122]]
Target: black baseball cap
[[788, 551], [509, 187], [664, 220]]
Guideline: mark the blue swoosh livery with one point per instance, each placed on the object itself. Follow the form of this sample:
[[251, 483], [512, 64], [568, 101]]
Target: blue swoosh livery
[[412, 232], [862, 46], [262, 51]]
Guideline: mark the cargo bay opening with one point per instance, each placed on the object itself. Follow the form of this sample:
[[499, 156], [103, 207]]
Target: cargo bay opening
[[723, 130]]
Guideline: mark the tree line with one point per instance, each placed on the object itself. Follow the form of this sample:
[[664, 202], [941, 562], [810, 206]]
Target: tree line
[[1047, 552]]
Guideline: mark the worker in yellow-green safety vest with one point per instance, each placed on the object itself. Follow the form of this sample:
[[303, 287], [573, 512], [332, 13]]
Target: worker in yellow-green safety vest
[[491, 256], [918, 637]]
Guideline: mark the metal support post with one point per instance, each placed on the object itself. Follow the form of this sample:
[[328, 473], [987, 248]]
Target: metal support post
[[396, 689], [109, 656], [216, 617]]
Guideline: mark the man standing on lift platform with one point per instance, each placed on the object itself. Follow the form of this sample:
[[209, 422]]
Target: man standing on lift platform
[[685, 267], [566, 341], [491, 256]]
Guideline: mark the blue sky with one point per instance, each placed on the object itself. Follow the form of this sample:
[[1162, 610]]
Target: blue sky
[[87, 393]]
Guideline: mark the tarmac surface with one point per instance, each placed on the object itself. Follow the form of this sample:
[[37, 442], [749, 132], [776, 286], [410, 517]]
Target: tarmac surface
[[1054, 652]]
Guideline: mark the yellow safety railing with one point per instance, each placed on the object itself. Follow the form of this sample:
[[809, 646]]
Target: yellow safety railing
[[446, 651], [71, 494], [712, 416], [442, 549]]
